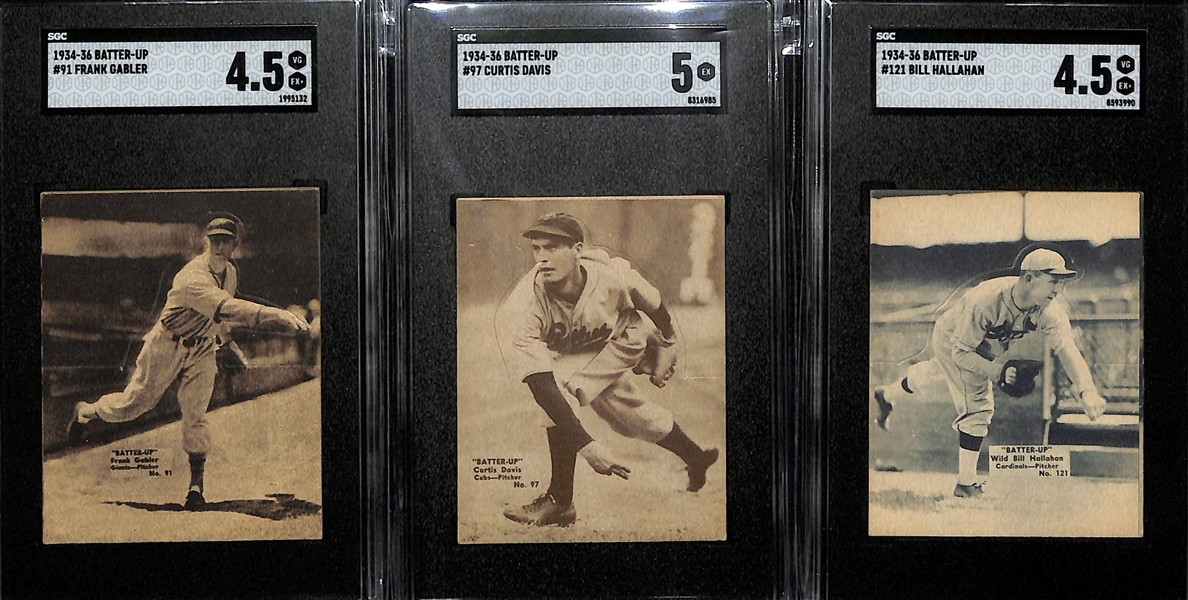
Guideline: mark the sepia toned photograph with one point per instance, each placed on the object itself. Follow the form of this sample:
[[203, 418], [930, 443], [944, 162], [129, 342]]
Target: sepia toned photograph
[[591, 369], [1006, 364], [181, 365]]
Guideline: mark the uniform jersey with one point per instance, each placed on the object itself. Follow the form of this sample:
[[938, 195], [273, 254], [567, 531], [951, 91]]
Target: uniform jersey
[[986, 320], [534, 327], [191, 308]]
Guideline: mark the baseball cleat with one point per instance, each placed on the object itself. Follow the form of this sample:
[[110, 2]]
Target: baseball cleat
[[543, 511], [76, 430], [972, 490], [885, 408], [698, 468], [194, 499]]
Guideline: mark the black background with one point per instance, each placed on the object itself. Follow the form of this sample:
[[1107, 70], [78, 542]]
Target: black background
[[175, 151], [1073, 152], [582, 155]]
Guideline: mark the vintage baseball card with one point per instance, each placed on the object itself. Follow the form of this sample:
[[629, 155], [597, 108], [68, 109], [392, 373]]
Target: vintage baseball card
[[182, 393], [591, 369], [1006, 336], [590, 301], [1002, 216], [182, 219]]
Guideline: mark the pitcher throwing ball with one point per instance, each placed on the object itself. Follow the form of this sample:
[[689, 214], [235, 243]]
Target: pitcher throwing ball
[[199, 312], [577, 321], [968, 343]]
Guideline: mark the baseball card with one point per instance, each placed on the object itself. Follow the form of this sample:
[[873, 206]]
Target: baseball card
[[1005, 364], [182, 391], [591, 369], [182, 226], [1001, 208], [587, 325]]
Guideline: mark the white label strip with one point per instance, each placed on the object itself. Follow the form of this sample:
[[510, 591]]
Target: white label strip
[[925, 72], [150, 73], [1040, 462], [588, 75]]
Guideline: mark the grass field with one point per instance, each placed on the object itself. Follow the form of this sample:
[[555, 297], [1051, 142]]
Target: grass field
[[263, 480], [497, 418], [922, 504]]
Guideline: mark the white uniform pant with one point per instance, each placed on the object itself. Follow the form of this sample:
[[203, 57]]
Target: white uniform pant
[[972, 394], [160, 363], [604, 381]]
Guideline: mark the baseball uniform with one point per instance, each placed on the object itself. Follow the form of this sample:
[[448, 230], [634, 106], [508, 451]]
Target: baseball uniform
[[181, 346], [590, 346], [581, 321], [978, 328]]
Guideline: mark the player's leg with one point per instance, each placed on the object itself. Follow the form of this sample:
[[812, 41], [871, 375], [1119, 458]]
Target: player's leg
[[973, 397], [193, 397], [556, 506], [157, 365], [923, 380], [562, 460], [629, 414]]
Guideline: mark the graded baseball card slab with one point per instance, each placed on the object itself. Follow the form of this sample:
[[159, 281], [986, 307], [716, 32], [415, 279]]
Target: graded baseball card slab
[[590, 259], [1002, 227], [181, 269]]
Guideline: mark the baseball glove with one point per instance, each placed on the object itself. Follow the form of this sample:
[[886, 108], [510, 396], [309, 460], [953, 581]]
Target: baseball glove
[[659, 360], [1025, 372]]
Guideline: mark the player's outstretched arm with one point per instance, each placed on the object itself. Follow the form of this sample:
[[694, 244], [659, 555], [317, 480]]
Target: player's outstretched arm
[[603, 461], [249, 314], [548, 396], [1059, 333], [1078, 372]]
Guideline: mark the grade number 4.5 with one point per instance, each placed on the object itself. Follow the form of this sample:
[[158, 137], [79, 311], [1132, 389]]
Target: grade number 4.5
[[1103, 81], [274, 72]]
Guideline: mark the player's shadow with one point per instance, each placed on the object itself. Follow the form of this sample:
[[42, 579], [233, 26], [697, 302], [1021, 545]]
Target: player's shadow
[[277, 508], [907, 500]]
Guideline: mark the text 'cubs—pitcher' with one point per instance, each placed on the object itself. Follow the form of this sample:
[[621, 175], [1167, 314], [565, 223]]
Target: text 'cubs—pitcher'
[[577, 320], [969, 341]]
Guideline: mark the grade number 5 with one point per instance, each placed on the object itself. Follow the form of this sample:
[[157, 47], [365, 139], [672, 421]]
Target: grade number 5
[[684, 82]]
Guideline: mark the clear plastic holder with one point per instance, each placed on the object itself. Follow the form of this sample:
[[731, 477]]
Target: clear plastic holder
[[696, 157], [959, 155], [186, 216]]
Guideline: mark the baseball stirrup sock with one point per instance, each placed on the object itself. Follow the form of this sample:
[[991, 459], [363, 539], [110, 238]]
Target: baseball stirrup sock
[[967, 460], [679, 444], [197, 469], [562, 456]]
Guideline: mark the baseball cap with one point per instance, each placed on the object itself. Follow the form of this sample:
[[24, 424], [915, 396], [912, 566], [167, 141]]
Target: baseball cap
[[222, 226], [1048, 261], [557, 225]]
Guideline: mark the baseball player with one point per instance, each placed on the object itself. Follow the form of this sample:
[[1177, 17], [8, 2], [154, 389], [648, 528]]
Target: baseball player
[[969, 341], [584, 322], [199, 312]]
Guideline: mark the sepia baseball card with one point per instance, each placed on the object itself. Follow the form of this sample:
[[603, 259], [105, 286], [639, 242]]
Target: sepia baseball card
[[1006, 339], [181, 365], [591, 369]]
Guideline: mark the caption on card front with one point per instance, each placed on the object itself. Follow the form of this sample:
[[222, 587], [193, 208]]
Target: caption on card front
[[1029, 461]]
